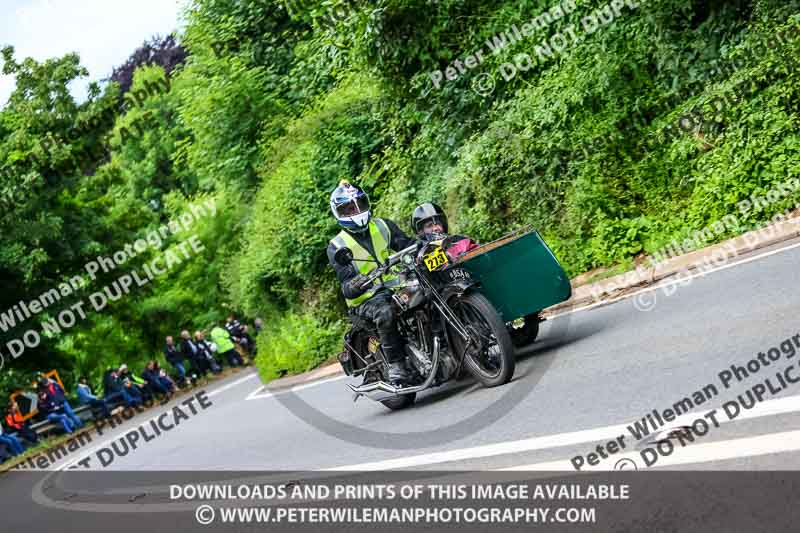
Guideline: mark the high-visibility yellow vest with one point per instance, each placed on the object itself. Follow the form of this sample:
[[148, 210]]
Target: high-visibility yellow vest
[[364, 261], [222, 339]]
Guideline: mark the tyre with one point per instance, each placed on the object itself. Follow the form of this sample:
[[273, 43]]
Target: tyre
[[526, 333], [400, 402], [490, 359]]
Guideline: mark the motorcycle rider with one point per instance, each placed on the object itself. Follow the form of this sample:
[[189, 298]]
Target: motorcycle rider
[[430, 224], [371, 240]]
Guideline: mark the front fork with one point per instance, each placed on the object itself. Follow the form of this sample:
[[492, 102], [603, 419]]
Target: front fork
[[441, 305]]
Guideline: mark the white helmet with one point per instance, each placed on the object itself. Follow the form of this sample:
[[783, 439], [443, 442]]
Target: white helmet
[[350, 206]]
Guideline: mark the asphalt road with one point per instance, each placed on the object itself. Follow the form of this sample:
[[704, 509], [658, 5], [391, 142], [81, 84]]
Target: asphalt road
[[590, 374]]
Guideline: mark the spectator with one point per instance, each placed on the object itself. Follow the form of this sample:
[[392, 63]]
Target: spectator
[[155, 382], [49, 409], [175, 357], [238, 333], [146, 393], [163, 375], [133, 391], [13, 443], [258, 326], [206, 352], [59, 398], [5, 453], [16, 424], [115, 389], [247, 341], [99, 406], [234, 328], [190, 352], [222, 339], [108, 383]]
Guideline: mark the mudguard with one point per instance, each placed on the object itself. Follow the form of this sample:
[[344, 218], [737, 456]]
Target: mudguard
[[457, 288]]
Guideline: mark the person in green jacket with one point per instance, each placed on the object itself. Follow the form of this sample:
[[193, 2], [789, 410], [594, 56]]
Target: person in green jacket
[[138, 387], [225, 346]]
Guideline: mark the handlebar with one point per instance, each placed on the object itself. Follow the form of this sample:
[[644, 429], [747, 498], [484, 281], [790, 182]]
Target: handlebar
[[395, 258], [390, 262]]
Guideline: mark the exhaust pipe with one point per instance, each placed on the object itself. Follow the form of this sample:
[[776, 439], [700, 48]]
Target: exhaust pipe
[[380, 390]]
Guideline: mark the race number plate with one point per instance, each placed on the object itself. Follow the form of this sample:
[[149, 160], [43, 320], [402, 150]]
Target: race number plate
[[435, 259]]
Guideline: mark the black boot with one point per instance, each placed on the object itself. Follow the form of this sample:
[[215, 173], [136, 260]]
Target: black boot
[[398, 373]]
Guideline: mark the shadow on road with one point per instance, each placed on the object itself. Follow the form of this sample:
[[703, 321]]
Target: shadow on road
[[549, 342], [543, 350]]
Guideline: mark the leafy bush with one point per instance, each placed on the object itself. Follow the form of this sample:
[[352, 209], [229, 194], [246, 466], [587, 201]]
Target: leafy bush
[[296, 343]]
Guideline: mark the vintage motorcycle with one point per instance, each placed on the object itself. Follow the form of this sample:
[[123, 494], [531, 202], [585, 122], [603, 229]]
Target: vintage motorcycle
[[446, 323]]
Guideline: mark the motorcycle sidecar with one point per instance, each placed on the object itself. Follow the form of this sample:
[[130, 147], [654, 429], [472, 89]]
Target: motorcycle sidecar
[[520, 275]]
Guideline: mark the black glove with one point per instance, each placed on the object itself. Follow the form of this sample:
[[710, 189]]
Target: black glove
[[354, 285]]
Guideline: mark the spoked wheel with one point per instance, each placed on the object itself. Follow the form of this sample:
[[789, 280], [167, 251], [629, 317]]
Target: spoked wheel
[[490, 354], [371, 345]]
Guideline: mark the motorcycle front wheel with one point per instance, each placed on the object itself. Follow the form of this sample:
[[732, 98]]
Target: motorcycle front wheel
[[490, 354]]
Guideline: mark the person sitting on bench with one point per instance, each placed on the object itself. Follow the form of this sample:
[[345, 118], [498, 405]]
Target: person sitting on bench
[[115, 389], [175, 357], [54, 391], [16, 424], [99, 407], [49, 409], [157, 384], [192, 353], [13, 443], [145, 391]]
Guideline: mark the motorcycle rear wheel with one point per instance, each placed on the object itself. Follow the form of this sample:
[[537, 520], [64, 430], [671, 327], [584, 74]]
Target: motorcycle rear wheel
[[494, 363]]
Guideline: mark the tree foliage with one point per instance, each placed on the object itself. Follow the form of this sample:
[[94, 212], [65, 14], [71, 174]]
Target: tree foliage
[[270, 109], [164, 52]]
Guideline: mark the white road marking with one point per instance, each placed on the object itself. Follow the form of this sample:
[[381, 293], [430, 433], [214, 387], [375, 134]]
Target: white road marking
[[669, 283], [233, 384], [767, 408], [315, 383], [264, 392], [788, 441], [259, 393]]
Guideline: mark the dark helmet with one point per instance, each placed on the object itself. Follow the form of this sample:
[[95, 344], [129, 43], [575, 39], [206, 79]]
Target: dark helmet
[[427, 212]]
